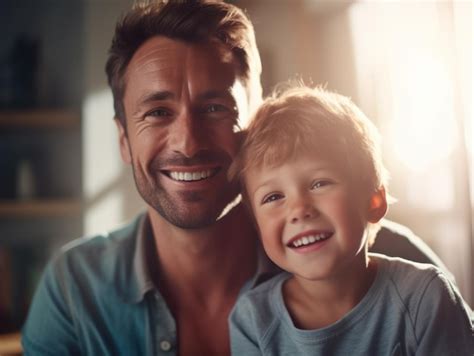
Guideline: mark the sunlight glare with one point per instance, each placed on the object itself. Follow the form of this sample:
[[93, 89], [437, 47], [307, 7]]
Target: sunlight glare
[[423, 127]]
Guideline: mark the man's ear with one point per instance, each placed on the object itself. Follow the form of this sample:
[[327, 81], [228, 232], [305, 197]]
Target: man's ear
[[241, 135], [123, 142], [378, 206]]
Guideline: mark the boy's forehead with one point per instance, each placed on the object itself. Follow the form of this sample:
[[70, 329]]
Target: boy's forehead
[[282, 153], [261, 171]]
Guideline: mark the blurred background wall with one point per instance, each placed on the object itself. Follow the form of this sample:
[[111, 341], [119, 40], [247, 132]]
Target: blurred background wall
[[407, 64]]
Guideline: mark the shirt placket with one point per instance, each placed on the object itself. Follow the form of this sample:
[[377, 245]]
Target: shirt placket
[[163, 327]]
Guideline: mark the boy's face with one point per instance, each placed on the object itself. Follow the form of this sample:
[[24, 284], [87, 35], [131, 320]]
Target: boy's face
[[312, 218]]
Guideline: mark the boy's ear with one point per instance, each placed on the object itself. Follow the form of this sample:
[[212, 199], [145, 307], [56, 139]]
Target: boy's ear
[[123, 142], [378, 206]]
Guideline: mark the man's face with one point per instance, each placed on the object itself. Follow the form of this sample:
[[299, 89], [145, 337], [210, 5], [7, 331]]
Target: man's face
[[182, 104]]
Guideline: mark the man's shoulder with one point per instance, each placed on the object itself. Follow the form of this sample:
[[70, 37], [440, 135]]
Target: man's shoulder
[[403, 271], [106, 243], [85, 293], [397, 240], [98, 256], [408, 280]]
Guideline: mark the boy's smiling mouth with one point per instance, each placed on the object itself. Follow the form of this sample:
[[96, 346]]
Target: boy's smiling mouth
[[309, 238]]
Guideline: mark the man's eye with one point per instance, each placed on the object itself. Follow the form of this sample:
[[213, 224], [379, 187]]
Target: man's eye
[[159, 112], [271, 197], [321, 183], [216, 108]]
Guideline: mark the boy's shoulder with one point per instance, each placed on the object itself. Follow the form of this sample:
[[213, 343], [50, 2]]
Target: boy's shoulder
[[266, 293], [261, 306], [428, 296], [411, 282]]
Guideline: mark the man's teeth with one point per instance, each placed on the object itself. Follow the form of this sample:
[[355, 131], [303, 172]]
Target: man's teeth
[[190, 176], [310, 239]]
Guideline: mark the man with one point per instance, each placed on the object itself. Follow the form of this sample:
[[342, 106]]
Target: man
[[183, 75]]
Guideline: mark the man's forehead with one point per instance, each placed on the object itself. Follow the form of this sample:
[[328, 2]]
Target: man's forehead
[[157, 50], [170, 59], [167, 51], [181, 69]]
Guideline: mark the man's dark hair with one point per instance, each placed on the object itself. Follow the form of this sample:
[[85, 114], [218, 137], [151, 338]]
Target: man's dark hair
[[191, 21]]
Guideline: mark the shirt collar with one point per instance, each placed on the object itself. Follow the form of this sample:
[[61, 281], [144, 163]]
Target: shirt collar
[[144, 242], [141, 273]]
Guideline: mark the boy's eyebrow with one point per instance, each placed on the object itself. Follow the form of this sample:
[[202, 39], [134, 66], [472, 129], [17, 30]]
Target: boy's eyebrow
[[325, 168], [262, 185]]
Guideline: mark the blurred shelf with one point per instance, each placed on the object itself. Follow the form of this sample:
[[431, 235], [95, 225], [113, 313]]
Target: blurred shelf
[[10, 344], [40, 208], [39, 119]]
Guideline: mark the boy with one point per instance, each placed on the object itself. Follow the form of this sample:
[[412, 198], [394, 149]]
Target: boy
[[313, 176]]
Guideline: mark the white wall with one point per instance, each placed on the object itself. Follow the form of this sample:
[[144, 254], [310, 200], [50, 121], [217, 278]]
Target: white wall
[[109, 190]]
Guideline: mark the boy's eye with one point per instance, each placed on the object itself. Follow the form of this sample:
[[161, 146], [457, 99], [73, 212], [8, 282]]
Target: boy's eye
[[271, 197], [320, 183]]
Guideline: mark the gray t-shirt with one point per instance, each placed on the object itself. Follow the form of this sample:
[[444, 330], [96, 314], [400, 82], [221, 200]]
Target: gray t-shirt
[[410, 309]]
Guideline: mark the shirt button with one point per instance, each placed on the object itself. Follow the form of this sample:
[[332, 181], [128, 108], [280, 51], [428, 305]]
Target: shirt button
[[165, 345]]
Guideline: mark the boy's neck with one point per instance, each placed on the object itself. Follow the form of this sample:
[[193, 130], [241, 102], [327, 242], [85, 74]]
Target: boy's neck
[[317, 304]]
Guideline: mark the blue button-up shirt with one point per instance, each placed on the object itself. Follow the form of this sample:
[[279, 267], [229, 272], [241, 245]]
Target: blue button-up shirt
[[97, 297]]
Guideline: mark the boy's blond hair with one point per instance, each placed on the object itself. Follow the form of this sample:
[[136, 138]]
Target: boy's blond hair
[[301, 118]]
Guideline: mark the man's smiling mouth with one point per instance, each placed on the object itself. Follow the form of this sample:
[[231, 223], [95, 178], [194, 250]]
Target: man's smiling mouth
[[183, 176]]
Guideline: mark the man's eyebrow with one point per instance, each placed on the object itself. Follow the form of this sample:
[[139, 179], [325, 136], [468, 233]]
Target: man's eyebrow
[[212, 94], [156, 96], [151, 97]]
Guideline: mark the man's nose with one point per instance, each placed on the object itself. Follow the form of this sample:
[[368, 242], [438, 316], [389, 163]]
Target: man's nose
[[189, 136], [302, 209]]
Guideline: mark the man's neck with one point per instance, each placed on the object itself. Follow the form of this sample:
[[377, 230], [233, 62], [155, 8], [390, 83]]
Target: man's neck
[[205, 262], [200, 273]]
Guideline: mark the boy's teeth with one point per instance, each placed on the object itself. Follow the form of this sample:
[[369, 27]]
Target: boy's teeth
[[308, 240], [190, 176]]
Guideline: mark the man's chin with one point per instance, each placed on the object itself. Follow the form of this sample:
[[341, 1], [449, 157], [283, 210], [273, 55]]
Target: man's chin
[[188, 217], [193, 209], [192, 223]]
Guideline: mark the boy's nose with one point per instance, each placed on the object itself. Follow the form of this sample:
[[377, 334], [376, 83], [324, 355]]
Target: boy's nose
[[302, 210]]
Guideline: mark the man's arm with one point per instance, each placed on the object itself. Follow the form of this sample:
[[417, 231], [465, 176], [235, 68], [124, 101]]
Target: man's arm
[[396, 240], [49, 329]]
